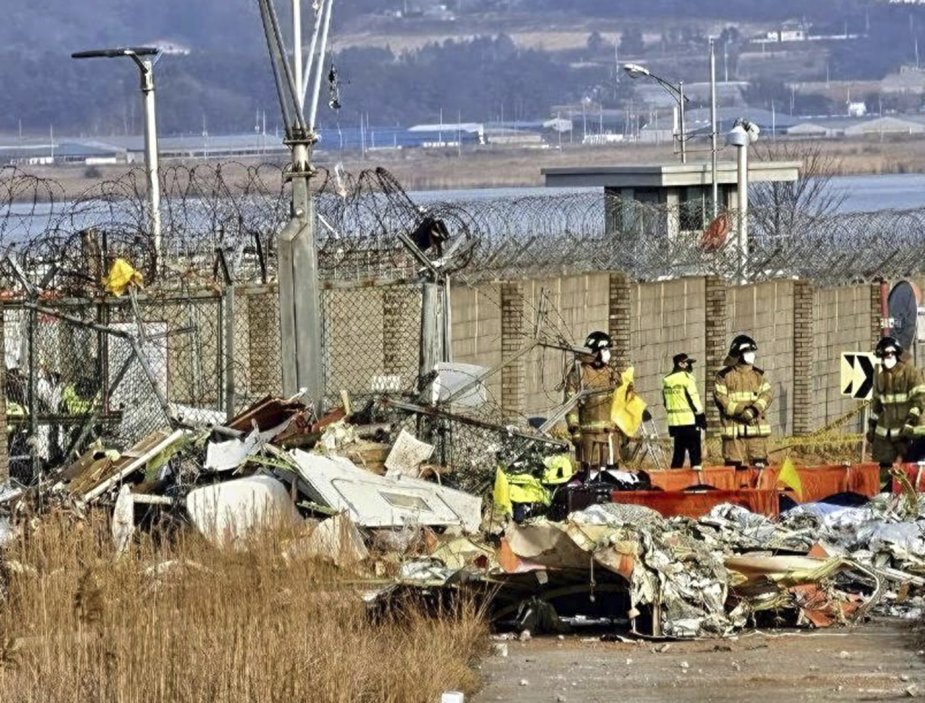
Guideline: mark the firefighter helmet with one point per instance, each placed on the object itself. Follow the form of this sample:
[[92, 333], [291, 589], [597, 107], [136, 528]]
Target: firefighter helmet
[[598, 341], [888, 345], [741, 344]]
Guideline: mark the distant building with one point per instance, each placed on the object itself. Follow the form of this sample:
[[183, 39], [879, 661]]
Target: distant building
[[18, 152], [857, 109]]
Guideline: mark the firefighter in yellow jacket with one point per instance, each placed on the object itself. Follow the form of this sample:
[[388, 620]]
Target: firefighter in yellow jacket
[[743, 394], [898, 403], [685, 411], [597, 440]]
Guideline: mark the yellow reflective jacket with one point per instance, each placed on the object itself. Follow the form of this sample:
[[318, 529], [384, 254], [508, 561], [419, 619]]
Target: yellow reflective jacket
[[682, 401], [899, 400], [73, 403], [518, 488], [739, 387]]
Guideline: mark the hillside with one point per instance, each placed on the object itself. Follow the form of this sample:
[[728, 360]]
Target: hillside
[[402, 61]]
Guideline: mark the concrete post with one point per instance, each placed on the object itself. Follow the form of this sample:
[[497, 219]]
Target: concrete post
[[803, 359], [513, 375], [715, 344]]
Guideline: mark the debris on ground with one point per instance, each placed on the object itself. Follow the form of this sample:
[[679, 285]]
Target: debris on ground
[[553, 547]]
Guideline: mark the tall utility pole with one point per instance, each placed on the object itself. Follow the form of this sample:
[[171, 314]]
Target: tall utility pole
[[299, 285], [713, 134], [144, 57]]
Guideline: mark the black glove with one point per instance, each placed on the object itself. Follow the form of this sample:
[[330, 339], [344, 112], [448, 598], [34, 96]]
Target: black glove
[[646, 415], [749, 415], [701, 421], [871, 432]]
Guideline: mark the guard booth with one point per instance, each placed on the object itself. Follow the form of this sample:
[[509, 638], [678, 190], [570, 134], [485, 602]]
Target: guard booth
[[684, 192]]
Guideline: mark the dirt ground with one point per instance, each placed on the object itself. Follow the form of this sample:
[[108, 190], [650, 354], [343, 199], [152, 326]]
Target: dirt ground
[[878, 661]]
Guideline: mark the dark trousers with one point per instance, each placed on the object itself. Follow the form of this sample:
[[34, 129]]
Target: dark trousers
[[686, 440]]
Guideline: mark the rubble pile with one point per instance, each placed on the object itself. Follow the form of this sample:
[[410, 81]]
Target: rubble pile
[[368, 495]]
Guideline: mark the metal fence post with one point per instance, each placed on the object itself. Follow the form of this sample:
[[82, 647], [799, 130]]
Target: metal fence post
[[433, 334], [228, 348], [4, 434]]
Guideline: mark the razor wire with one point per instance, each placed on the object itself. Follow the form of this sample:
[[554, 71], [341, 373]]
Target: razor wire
[[238, 209]]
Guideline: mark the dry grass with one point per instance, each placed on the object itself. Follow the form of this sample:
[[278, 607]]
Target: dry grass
[[79, 623]]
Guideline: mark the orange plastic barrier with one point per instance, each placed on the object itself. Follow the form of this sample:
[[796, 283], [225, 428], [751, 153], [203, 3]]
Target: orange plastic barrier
[[695, 505], [818, 481]]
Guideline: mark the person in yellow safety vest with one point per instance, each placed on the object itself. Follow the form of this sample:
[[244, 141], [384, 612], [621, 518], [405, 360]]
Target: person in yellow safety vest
[[76, 403], [743, 394], [597, 440], [898, 403], [685, 411]]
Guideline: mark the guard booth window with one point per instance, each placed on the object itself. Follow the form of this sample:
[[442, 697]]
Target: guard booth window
[[697, 208]]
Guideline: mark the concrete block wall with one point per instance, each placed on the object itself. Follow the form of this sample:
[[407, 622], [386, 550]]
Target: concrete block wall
[[765, 312], [476, 329], [576, 305], [844, 320], [800, 330], [666, 319]]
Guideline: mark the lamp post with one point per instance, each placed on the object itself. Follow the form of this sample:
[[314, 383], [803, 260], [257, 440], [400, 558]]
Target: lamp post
[[634, 70], [742, 135], [144, 57]]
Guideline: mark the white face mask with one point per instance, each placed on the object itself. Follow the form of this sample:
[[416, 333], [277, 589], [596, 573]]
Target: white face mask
[[749, 357], [889, 362], [605, 356]]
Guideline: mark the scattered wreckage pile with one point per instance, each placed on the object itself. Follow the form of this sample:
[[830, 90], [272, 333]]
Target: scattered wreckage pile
[[371, 502]]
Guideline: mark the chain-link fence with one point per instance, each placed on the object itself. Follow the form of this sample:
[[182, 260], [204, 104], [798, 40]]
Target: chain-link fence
[[202, 339]]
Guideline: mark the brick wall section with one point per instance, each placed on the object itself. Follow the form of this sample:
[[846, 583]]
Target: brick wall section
[[876, 314], [803, 357], [618, 316], [716, 344], [513, 377]]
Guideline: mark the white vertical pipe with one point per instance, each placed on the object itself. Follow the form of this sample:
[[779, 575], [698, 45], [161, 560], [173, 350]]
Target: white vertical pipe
[[151, 165], [297, 50], [713, 135], [743, 211]]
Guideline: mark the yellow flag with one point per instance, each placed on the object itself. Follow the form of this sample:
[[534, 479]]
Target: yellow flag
[[121, 276], [789, 477], [627, 408], [502, 493]]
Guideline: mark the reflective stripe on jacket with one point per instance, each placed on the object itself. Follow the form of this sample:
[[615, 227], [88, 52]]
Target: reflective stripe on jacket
[[899, 399], [737, 388], [682, 401]]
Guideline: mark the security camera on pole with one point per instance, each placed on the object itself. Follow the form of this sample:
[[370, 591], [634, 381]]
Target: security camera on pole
[[741, 136]]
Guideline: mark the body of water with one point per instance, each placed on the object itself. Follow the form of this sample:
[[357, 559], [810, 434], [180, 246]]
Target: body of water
[[864, 193]]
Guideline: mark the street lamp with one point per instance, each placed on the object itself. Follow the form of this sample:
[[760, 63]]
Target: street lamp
[[741, 136], [144, 57], [634, 70]]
